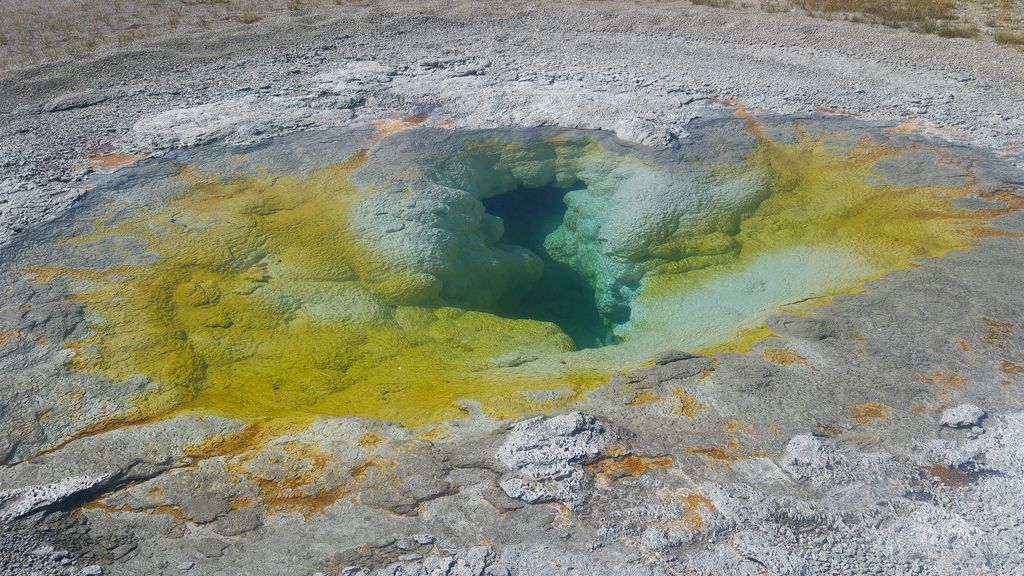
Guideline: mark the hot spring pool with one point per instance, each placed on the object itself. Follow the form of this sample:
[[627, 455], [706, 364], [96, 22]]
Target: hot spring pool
[[436, 271]]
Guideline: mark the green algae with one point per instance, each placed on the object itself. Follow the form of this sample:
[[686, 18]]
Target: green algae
[[262, 302]]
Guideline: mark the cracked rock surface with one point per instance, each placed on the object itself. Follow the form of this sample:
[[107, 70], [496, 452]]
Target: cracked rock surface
[[547, 458]]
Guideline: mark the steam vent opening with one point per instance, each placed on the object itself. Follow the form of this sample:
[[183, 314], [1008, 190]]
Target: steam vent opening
[[432, 273], [561, 295]]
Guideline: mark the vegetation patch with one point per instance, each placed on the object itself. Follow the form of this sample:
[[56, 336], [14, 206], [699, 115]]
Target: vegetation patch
[[1009, 38]]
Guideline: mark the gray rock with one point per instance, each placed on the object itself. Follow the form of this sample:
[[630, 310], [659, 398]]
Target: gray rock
[[962, 416], [123, 550], [474, 562], [75, 100], [546, 456], [241, 120], [350, 83], [438, 564], [20, 502], [815, 459], [669, 356], [211, 547], [238, 522], [92, 570], [204, 508], [22, 203]]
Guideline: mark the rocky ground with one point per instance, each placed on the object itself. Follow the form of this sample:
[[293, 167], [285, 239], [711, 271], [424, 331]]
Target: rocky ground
[[882, 435]]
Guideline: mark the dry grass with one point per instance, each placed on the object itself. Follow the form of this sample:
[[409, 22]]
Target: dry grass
[[248, 16], [956, 31], [941, 17], [890, 12], [1009, 38], [1003, 20], [714, 3]]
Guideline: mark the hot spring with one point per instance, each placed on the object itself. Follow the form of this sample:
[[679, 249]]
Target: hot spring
[[437, 271]]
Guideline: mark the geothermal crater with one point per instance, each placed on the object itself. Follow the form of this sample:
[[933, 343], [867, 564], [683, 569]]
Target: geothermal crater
[[560, 294], [437, 271], [523, 288]]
